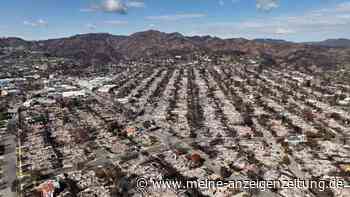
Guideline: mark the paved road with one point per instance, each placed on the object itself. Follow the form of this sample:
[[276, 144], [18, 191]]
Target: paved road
[[10, 158], [9, 167]]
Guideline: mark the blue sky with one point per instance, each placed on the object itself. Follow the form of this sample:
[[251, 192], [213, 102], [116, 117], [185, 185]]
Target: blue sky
[[295, 20]]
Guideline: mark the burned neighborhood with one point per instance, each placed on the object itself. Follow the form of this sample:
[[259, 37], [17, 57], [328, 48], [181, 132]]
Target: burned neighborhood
[[210, 115]]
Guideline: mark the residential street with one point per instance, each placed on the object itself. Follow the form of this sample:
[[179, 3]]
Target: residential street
[[9, 165]]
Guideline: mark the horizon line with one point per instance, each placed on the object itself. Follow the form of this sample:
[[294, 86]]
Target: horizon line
[[213, 36]]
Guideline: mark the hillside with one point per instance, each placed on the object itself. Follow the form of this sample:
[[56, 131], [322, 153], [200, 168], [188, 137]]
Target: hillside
[[344, 43], [102, 48]]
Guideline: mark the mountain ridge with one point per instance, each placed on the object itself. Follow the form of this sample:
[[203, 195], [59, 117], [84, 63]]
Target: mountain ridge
[[104, 48], [337, 42]]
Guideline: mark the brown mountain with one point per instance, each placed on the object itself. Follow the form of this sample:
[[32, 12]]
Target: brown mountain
[[343, 43], [155, 43], [104, 48], [86, 48], [13, 42]]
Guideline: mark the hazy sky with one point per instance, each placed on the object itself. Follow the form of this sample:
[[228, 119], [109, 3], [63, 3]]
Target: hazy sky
[[296, 20]]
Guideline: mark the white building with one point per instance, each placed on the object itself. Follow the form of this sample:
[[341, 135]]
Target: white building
[[106, 88], [71, 94]]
